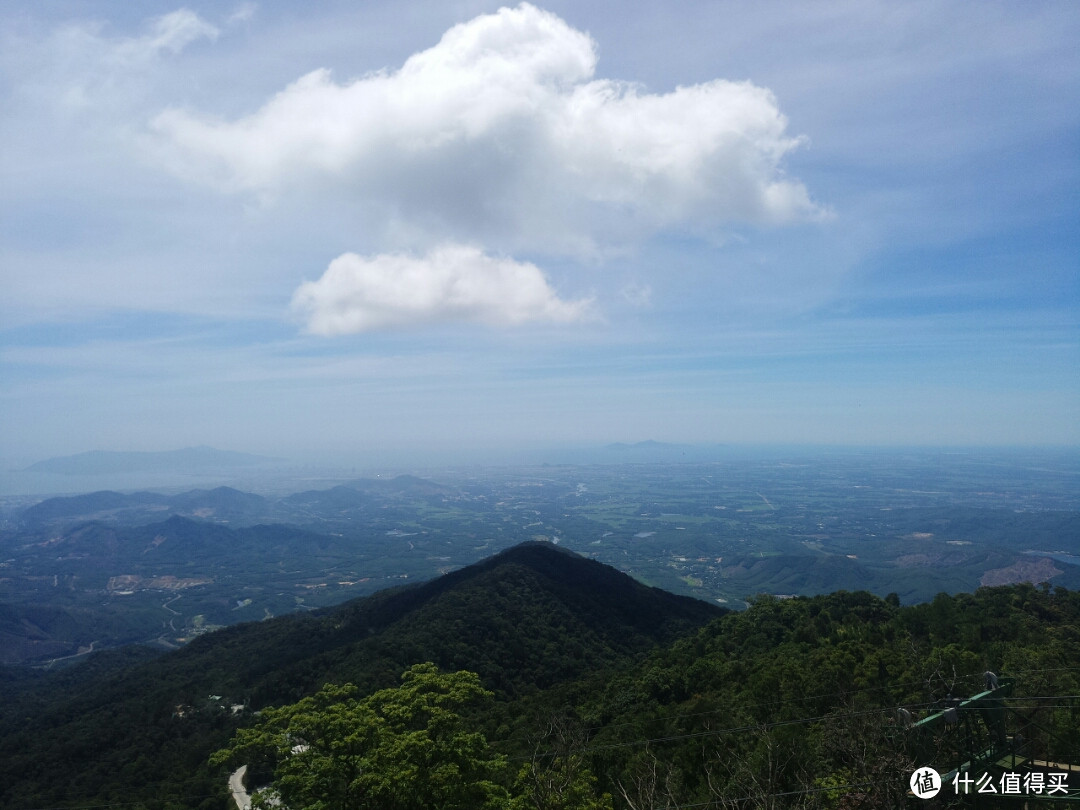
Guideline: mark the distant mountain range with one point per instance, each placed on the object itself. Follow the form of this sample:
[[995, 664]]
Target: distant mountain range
[[222, 502], [92, 571], [189, 459], [225, 504]]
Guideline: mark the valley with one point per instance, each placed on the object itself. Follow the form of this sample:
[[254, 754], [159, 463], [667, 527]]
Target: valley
[[108, 569]]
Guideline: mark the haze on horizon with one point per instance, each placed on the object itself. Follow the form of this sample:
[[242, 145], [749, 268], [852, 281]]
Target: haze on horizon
[[421, 229]]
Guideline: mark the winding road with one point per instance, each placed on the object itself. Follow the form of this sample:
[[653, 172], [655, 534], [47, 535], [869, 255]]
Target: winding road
[[236, 787]]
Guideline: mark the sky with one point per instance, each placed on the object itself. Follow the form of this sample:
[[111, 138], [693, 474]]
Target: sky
[[419, 230]]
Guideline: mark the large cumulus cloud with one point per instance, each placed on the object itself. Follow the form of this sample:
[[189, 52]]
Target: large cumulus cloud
[[499, 136], [500, 133]]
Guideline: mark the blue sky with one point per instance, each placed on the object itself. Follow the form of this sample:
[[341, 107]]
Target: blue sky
[[417, 230]]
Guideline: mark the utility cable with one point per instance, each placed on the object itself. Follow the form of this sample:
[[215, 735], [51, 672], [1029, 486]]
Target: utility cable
[[842, 693]]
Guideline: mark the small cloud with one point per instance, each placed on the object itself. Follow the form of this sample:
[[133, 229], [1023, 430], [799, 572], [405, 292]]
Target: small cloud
[[243, 13], [82, 67], [637, 294], [168, 34], [452, 283]]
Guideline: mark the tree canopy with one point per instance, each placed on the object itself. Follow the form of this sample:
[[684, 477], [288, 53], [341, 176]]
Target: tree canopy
[[403, 747]]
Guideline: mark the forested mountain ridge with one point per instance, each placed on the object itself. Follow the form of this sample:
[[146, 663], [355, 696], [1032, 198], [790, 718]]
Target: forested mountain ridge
[[799, 698], [526, 619], [793, 698]]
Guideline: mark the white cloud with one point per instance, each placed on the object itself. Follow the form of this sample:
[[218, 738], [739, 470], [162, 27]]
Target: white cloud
[[499, 134], [244, 13], [451, 283], [637, 294], [81, 68], [171, 33]]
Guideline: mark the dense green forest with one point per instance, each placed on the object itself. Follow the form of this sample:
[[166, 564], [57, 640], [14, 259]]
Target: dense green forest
[[589, 690]]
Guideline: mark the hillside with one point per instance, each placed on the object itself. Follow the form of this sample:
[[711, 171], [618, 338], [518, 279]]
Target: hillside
[[794, 702], [528, 618], [655, 699]]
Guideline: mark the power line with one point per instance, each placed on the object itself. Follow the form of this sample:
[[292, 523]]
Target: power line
[[766, 725], [842, 693]]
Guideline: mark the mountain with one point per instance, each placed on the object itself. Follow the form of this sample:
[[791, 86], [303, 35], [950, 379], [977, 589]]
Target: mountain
[[528, 618], [101, 584], [534, 614], [591, 670], [401, 484], [227, 505], [200, 548], [221, 503], [334, 500], [90, 506], [189, 459], [533, 598], [33, 632]]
